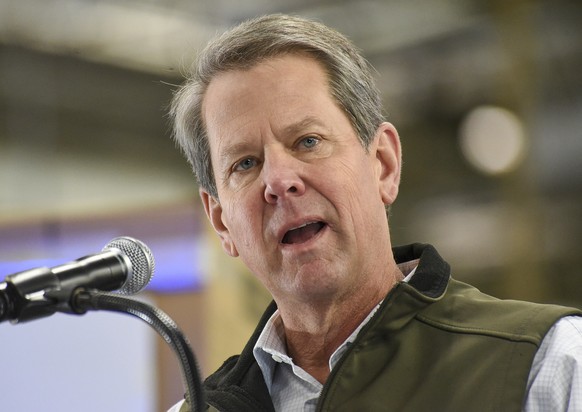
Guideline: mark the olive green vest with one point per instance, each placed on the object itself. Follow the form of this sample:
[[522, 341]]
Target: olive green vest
[[435, 344], [462, 351]]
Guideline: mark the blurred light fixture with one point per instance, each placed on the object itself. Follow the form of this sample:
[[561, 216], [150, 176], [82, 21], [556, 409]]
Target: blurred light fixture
[[492, 139]]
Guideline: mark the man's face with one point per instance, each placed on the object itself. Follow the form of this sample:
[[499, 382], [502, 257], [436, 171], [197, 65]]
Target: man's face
[[300, 200]]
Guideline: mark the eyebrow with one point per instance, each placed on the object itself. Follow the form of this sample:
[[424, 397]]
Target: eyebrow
[[303, 124], [233, 150]]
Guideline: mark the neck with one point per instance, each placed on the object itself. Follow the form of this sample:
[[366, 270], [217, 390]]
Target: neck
[[314, 331]]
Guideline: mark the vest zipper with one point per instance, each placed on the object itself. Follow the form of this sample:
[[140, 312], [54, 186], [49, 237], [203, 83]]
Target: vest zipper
[[350, 349]]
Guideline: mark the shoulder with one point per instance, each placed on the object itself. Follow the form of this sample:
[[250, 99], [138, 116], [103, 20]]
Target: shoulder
[[464, 308], [555, 380], [565, 335], [562, 345]]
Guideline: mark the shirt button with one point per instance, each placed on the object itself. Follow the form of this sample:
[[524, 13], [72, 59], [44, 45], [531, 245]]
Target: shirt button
[[277, 358]]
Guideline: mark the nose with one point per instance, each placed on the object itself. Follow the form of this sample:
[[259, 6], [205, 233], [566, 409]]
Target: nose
[[281, 176]]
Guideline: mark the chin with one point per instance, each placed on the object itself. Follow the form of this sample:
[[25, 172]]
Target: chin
[[321, 283]]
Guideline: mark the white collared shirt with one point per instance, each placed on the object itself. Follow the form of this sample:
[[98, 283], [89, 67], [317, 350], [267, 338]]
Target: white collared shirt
[[291, 387]]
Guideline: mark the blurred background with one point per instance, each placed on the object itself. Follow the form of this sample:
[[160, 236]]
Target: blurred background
[[486, 95]]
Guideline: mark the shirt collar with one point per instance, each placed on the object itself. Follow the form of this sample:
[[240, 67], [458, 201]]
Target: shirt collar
[[271, 349]]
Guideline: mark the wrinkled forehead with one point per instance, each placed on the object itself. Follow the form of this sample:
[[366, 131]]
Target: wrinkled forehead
[[242, 67], [232, 96]]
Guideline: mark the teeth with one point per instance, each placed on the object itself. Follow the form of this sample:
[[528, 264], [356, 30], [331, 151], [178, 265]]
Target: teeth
[[303, 225], [302, 233]]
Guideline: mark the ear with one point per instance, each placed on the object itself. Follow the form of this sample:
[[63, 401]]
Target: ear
[[389, 156], [214, 213]]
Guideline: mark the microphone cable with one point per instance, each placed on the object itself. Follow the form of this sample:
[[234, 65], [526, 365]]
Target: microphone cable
[[84, 300]]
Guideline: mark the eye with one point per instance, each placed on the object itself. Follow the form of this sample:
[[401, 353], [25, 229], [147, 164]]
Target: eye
[[309, 142], [245, 164]]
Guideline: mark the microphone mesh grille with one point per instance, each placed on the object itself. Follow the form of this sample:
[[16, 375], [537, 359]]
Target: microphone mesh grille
[[142, 263]]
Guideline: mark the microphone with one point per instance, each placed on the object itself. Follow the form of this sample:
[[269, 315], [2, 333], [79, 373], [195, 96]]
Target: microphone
[[125, 265]]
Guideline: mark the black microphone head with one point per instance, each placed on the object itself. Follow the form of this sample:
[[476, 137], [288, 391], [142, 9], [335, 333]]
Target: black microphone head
[[142, 263]]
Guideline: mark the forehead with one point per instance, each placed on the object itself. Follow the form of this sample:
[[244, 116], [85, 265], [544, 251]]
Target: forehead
[[276, 87]]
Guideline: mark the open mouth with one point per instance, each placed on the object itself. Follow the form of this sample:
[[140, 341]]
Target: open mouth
[[303, 233]]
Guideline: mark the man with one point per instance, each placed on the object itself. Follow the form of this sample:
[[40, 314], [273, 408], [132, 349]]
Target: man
[[283, 126]]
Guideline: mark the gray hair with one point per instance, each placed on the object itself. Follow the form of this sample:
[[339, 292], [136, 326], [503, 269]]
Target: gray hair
[[253, 41]]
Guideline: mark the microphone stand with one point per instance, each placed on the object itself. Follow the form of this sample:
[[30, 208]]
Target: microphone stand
[[85, 299]]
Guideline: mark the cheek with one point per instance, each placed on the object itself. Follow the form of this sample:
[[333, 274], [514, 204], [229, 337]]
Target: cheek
[[356, 180], [355, 192], [243, 219]]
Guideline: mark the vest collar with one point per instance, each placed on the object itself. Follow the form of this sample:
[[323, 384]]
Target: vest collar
[[432, 274], [405, 300]]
